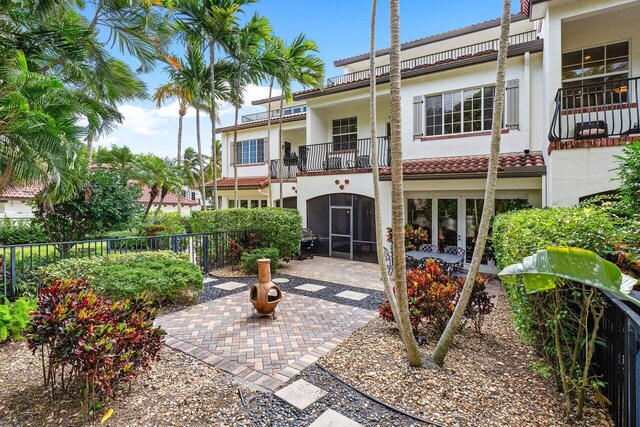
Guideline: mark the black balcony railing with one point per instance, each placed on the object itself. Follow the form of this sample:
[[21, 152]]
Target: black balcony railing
[[434, 58], [264, 115], [341, 156], [602, 110], [289, 168]]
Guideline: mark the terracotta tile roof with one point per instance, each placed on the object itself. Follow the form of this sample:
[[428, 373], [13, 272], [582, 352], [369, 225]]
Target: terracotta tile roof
[[246, 125], [244, 181], [169, 199], [21, 191], [433, 38], [468, 164]]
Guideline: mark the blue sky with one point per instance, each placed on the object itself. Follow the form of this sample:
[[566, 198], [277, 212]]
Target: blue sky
[[339, 27]]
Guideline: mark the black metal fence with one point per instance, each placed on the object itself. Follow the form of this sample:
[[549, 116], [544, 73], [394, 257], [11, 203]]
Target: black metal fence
[[619, 362], [207, 250], [594, 111], [342, 155]]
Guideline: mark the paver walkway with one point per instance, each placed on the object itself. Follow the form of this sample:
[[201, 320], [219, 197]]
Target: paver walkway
[[346, 272], [264, 351]]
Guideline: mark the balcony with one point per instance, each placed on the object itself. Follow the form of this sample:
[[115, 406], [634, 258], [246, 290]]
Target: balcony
[[435, 58], [595, 111], [264, 115], [342, 156]]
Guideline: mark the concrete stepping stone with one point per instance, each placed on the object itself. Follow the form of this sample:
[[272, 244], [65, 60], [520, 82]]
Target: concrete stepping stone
[[229, 286], [301, 394], [310, 287], [210, 280], [356, 296], [331, 418], [280, 280]]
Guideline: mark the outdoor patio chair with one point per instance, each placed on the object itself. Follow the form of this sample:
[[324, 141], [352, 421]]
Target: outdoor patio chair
[[388, 260], [361, 162], [455, 250], [590, 130], [428, 248], [332, 163], [413, 263]]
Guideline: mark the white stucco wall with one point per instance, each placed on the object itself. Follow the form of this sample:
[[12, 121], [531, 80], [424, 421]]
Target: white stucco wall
[[15, 209]]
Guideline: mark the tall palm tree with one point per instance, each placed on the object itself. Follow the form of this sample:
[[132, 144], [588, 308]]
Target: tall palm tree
[[246, 52], [373, 111], [159, 175], [120, 159], [397, 197], [300, 66], [453, 325], [213, 171]]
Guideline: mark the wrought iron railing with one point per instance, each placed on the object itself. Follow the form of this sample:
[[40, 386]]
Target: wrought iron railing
[[595, 111], [434, 58], [289, 168], [344, 155], [21, 262], [264, 115]]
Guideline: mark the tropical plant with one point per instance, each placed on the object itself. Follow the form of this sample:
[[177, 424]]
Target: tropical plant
[[103, 202], [442, 348], [119, 159], [629, 177], [562, 271], [397, 205], [14, 317], [159, 175]]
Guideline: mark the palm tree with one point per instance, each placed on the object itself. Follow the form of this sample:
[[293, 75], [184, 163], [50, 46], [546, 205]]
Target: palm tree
[[159, 176], [453, 325], [373, 111], [211, 172], [300, 66], [120, 159], [397, 203], [246, 52]]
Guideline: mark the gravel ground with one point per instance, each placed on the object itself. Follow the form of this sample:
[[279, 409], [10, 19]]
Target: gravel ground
[[178, 391], [487, 380], [268, 410]]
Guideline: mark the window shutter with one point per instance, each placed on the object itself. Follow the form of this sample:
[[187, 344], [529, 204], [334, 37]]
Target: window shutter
[[513, 104], [418, 128]]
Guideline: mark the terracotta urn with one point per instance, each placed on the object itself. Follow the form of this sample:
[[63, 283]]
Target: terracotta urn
[[265, 295]]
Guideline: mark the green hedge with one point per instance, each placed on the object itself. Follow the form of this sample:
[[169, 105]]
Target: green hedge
[[276, 227], [167, 276], [519, 234], [249, 260], [21, 232]]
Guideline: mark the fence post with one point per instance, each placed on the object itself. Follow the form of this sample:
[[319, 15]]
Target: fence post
[[108, 247], [174, 243], [13, 269], [205, 255]]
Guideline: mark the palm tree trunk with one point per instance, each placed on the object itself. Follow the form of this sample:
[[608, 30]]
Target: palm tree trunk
[[446, 339], [153, 193], [163, 194], [373, 111], [6, 175], [200, 163], [181, 114], [214, 152], [268, 150], [235, 156], [397, 196], [89, 151], [281, 145]]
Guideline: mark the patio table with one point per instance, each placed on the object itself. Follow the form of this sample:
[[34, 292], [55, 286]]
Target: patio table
[[449, 259]]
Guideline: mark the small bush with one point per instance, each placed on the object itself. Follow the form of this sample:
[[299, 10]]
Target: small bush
[[163, 224], [276, 227], [88, 344], [164, 275], [14, 317], [21, 232], [249, 260]]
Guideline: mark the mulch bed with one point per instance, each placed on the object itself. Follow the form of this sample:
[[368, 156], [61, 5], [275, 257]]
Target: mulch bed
[[487, 379], [178, 390]]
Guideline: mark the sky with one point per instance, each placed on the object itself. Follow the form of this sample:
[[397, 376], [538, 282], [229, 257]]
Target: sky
[[339, 27]]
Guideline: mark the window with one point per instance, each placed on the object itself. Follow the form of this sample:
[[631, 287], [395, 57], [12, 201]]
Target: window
[[248, 203], [591, 77], [193, 195], [251, 151], [345, 134], [184, 193], [469, 110]]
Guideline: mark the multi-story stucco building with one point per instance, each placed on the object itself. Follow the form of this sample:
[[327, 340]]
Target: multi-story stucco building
[[571, 103]]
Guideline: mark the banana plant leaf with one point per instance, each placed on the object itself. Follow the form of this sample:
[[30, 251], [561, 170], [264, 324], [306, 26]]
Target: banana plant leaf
[[548, 267]]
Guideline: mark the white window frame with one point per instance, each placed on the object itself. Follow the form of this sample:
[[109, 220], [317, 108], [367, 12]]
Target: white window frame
[[252, 147], [598, 76]]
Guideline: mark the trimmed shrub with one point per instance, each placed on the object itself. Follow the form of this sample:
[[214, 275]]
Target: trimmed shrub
[[99, 344], [163, 224], [164, 275], [21, 232], [14, 317], [276, 227], [249, 260]]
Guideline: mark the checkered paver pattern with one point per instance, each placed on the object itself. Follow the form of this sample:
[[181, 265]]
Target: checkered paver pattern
[[264, 351], [336, 270]]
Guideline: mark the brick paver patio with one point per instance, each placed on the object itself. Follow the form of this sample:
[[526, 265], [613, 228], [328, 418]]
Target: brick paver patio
[[264, 351], [336, 270]]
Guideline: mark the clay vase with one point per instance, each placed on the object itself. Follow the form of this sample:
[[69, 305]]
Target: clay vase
[[265, 295]]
